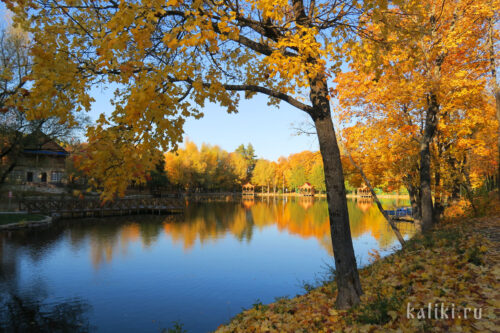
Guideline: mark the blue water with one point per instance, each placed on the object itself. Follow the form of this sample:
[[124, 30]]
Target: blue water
[[143, 273]]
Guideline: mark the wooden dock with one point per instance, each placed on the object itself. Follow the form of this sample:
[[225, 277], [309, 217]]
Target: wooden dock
[[88, 207]]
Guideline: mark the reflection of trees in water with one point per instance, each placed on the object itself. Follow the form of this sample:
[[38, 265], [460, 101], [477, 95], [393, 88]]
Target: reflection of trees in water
[[112, 235], [373, 222], [206, 222], [304, 218], [24, 313]]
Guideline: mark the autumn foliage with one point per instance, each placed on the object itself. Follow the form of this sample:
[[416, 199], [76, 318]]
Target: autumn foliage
[[416, 104], [210, 168]]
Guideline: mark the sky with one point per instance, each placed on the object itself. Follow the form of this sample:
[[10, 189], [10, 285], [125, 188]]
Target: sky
[[269, 129]]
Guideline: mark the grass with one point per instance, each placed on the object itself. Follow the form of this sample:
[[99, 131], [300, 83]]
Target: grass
[[19, 218]]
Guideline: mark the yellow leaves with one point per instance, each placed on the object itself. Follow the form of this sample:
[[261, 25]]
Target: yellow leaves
[[387, 88], [390, 285], [272, 9], [310, 60]]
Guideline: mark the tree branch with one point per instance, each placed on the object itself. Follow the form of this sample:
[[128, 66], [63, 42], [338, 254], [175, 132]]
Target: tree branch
[[282, 96]]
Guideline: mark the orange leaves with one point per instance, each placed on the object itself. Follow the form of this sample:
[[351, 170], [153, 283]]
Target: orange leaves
[[383, 99]]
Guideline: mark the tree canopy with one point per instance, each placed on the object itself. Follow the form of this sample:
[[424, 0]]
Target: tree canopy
[[169, 58]]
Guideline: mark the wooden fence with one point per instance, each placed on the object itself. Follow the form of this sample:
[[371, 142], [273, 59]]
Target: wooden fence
[[95, 207]]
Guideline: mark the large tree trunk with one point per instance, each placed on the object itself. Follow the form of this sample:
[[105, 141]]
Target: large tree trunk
[[414, 194], [425, 163], [438, 207], [348, 284]]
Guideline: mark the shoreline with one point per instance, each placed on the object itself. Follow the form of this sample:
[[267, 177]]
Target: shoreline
[[349, 196], [25, 224], [398, 286]]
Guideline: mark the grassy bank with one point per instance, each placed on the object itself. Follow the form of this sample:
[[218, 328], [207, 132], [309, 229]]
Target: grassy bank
[[16, 218], [457, 265]]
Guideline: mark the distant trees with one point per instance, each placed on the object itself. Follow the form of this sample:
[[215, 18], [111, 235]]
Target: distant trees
[[264, 173], [210, 168], [248, 154], [317, 177]]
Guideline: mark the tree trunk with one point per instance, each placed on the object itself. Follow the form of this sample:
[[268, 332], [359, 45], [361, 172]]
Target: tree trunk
[[438, 207], [348, 284], [496, 89], [5, 173], [414, 201], [425, 162]]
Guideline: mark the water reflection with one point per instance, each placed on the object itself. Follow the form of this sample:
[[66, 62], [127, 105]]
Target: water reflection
[[92, 274], [304, 217], [27, 313], [28, 308], [207, 222]]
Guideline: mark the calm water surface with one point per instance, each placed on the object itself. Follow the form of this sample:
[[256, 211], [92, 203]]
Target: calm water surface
[[142, 273]]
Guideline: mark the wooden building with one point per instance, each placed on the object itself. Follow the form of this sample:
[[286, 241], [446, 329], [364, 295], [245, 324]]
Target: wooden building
[[248, 189], [307, 190], [364, 192], [42, 161]]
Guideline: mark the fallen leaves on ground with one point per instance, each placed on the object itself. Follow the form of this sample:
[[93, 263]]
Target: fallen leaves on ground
[[457, 265]]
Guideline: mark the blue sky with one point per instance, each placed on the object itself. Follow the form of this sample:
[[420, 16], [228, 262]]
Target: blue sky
[[268, 128]]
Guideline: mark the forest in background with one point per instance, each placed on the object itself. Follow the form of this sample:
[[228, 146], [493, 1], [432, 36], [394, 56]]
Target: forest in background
[[210, 168]]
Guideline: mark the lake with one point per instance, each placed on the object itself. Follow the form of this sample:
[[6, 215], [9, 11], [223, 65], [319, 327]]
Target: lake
[[200, 268]]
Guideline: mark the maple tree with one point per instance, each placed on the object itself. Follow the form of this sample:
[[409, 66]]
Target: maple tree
[[416, 100], [171, 57], [490, 45]]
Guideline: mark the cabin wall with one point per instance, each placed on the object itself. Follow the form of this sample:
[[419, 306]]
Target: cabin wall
[[38, 168]]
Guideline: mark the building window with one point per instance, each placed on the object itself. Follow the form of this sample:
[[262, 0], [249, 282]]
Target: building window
[[29, 176], [56, 176], [17, 176]]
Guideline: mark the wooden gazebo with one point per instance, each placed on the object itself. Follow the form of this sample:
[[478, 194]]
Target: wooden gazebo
[[248, 189], [364, 192], [307, 190]]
